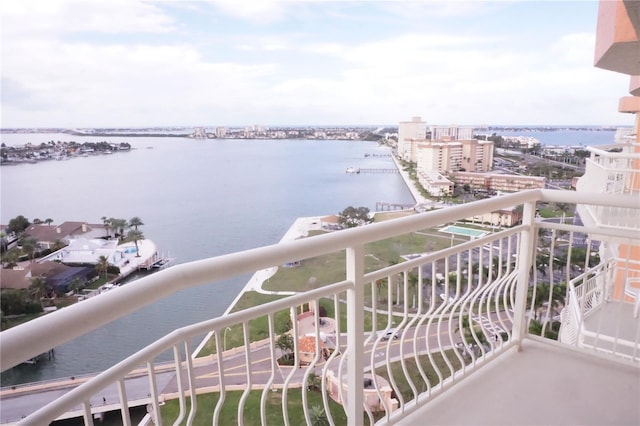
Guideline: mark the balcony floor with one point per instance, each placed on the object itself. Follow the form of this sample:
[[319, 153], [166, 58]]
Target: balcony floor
[[544, 384]]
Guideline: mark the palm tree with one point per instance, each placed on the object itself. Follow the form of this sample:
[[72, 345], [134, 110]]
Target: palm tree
[[317, 416], [48, 221], [58, 244], [286, 345], [118, 225], [397, 279], [379, 283], [10, 259], [413, 286], [106, 222], [564, 208], [314, 382], [135, 236], [38, 288], [103, 266], [29, 246], [542, 293], [76, 285], [135, 222]]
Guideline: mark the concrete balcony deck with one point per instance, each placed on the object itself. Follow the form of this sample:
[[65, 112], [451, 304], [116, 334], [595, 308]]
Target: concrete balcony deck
[[544, 384]]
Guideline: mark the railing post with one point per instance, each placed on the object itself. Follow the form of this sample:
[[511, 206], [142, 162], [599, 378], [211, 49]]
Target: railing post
[[355, 336], [526, 252]]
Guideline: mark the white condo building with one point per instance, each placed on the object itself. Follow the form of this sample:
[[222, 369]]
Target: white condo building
[[408, 132]]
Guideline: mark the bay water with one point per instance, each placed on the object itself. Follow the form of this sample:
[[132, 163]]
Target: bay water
[[197, 199]]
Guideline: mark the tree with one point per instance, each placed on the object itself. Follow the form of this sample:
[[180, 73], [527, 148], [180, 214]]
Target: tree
[[468, 333], [103, 266], [10, 259], [58, 244], [118, 225], [12, 302], [314, 382], [412, 280], [76, 285], [285, 344], [29, 246], [37, 221], [18, 224], [48, 221], [542, 294], [38, 288], [135, 236], [564, 208], [317, 416], [106, 222], [135, 222], [352, 217]]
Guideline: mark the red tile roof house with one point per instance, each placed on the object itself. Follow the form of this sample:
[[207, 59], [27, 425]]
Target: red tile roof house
[[47, 235]]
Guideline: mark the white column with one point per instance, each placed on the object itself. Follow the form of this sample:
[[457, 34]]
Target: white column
[[525, 254], [355, 336]]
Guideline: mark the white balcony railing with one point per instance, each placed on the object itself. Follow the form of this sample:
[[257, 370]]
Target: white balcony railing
[[392, 339], [611, 169]]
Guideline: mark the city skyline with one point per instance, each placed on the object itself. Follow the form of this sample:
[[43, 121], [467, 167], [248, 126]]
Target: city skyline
[[138, 64]]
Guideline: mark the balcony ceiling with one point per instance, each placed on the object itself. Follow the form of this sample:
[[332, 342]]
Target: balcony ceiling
[[633, 10], [617, 41]]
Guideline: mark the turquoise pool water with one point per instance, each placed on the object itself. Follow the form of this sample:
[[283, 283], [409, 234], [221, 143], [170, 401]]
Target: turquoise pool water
[[129, 250], [467, 232]]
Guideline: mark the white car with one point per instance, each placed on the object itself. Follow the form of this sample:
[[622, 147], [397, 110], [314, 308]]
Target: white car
[[392, 333]]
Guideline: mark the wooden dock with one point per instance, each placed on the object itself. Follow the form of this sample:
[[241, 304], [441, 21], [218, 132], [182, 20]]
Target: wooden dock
[[381, 206], [379, 171]]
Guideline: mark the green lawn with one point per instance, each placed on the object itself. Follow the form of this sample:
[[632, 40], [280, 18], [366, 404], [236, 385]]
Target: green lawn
[[206, 404], [321, 271]]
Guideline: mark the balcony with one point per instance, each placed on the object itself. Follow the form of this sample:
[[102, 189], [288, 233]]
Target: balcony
[[611, 169], [532, 324]]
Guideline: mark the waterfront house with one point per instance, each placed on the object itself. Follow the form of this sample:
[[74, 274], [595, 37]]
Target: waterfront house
[[47, 236]]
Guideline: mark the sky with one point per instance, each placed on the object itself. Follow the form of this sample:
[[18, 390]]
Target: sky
[[129, 63]]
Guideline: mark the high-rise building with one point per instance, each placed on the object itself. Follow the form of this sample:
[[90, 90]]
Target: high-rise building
[[408, 132], [453, 133]]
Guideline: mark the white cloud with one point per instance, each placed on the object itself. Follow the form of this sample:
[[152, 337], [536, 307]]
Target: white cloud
[[284, 74], [52, 18], [256, 11]]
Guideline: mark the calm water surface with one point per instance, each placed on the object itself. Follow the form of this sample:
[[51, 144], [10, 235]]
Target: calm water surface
[[197, 199]]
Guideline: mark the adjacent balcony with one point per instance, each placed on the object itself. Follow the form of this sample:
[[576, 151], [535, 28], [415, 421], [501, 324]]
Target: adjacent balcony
[[611, 169], [533, 324]]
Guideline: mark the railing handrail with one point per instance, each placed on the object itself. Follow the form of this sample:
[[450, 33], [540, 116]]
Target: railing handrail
[[34, 337], [603, 153]]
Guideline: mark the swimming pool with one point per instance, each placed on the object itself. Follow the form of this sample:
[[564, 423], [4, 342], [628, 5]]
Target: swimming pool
[[467, 232], [129, 250]]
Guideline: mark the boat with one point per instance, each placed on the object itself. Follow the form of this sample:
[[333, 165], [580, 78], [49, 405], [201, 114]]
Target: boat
[[352, 170]]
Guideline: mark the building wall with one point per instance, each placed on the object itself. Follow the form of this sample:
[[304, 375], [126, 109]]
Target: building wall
[[435, 184], [443, 157], [477, 156], [497, 182]]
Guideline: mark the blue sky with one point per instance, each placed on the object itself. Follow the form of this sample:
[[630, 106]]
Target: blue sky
[[229, 62]]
